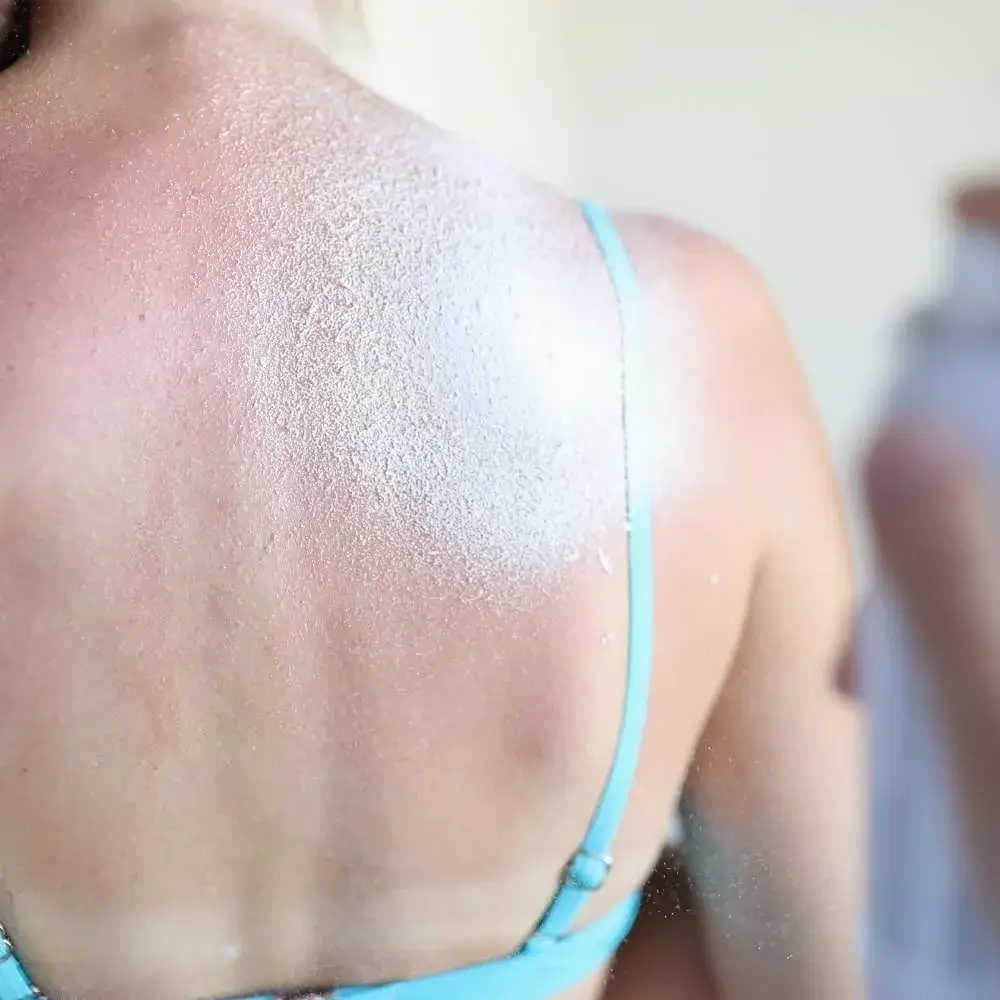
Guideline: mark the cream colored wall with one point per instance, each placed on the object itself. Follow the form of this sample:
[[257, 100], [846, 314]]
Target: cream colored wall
[[816, 135]]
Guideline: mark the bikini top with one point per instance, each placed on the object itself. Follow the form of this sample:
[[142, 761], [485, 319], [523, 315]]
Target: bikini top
[[554, 957]]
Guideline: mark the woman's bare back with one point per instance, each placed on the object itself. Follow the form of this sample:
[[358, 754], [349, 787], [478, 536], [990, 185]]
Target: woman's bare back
[[312, 526]]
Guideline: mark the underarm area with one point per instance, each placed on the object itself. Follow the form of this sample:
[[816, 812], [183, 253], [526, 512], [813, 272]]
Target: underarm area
[[664, 955]]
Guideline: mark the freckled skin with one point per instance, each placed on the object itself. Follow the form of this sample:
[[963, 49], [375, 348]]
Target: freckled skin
[[312, 551]]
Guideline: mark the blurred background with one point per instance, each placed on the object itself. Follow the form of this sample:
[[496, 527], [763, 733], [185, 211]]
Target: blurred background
[[820, 137]]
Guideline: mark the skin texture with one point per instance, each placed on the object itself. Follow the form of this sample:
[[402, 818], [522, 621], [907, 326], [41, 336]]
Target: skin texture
[[312, 523]]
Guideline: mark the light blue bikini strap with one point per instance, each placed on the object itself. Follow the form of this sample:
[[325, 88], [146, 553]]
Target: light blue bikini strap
[[538, 975], [588, 869], [14, 982]]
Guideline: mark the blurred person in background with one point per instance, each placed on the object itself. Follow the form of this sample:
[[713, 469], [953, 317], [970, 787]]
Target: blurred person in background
[[934, 507], [388, 546], [936, 514]]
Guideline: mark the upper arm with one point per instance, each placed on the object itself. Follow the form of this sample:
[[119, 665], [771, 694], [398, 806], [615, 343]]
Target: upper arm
[[774, 796]]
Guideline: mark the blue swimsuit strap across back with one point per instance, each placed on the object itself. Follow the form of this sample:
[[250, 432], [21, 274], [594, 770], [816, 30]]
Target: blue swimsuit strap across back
[[555, 957]]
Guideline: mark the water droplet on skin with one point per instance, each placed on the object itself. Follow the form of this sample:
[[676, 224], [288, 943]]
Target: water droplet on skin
[[607, 639], [605, 562]]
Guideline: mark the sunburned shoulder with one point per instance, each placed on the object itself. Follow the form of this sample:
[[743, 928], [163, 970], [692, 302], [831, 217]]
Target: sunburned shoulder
[[700, 271], [717, 337]]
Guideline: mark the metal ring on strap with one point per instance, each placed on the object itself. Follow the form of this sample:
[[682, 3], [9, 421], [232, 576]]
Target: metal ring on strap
[[588, 872]]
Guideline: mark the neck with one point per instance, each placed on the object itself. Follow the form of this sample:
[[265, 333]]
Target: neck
[[299, 17]]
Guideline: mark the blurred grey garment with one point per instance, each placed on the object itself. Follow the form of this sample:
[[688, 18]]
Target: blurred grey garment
[[675, 831]]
